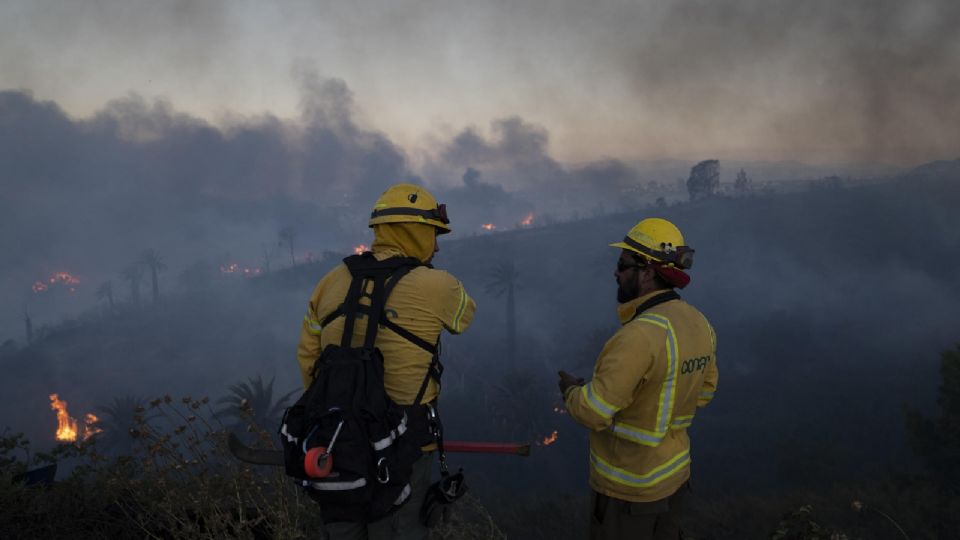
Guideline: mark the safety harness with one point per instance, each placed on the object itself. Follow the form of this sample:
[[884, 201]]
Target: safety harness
[[345, 440]]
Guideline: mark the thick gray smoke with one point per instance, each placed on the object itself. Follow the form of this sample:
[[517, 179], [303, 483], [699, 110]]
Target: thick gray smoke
[[88, 196], [858, 80]]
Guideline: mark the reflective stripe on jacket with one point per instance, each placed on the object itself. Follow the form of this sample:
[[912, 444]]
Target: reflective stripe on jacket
[[424, 302], [647, 384]]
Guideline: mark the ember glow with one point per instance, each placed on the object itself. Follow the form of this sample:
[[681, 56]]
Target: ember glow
[[58, 278], [68, 428], [547, 441], [360, 249], [527, 221], [488, 226], [234, 268]]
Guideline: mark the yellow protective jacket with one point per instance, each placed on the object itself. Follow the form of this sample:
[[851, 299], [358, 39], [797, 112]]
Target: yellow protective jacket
[[424, 302], [647, 384]]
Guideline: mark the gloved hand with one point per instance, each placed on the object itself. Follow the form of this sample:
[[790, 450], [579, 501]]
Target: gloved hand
[[567, 380]]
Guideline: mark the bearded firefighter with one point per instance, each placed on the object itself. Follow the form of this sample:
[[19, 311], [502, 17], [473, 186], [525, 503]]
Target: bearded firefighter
[[406, 222], [649, 381]]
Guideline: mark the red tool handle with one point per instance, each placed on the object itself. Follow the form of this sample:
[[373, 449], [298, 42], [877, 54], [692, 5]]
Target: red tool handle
[[520, 449]]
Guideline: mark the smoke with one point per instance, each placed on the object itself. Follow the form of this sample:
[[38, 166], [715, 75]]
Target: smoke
[[89, 195], [853, 80], [818, 81]]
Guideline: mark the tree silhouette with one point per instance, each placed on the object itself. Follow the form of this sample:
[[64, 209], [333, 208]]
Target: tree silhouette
[[117, 419], [105, 292], [134, 274], [287, 235], [937, 440], [503, 280], [704, 179], [151, 259], [252, 401], [29, 325], [743, 185]]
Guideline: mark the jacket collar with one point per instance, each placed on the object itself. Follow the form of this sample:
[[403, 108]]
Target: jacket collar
[[627, 310]]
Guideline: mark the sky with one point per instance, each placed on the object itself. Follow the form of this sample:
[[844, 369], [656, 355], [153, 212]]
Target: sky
[[817, 81]]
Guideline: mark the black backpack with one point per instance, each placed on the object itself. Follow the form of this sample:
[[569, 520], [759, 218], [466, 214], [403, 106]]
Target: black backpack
[[344, 440]]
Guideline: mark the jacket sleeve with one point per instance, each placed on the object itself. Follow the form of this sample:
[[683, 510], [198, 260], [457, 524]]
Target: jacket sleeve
[[308, 349], [711, 375], [456, 307], [621, 367]]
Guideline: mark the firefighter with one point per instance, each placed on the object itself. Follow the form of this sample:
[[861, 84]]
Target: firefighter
[[649, 381], [406, 222]]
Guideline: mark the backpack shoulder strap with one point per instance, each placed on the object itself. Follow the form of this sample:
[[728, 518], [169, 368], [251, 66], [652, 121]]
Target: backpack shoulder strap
[[385, 275]]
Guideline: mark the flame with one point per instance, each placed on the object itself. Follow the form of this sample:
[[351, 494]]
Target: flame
[[90, 426], [66, 425], [527, 221], [360, 249], [57, 278], [547, 441], [68, 428], [488, 226]]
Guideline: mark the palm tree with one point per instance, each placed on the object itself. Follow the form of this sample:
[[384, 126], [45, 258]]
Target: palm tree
[[503, 279], [134, 274], [117, 419], [151, 259], [29, 324], [287, 234], [252, 401], [105, 291]]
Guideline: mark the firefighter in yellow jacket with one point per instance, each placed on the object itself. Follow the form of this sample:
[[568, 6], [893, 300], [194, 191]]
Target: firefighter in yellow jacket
[[406, 221], [648, 382]]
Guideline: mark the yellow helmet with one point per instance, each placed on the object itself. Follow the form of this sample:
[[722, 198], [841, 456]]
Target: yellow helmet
[[658, 240], [409, 203]]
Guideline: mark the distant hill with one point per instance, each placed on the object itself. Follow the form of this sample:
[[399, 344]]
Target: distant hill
[[935, 170]]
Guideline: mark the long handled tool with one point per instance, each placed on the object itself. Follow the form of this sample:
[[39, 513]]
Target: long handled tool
[[257, 456]]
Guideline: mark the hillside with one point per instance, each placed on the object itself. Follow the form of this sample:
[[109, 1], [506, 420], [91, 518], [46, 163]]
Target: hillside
[[831, 306]]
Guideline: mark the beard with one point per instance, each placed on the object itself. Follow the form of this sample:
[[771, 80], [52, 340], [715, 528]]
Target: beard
[[627, 291]]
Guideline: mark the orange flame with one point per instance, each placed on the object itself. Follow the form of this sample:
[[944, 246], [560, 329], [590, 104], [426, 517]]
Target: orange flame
[[57, 278], [90, 426], [360, 249], [488, 226], [68, 428], [547, 441], [527, 221], [66, 425]]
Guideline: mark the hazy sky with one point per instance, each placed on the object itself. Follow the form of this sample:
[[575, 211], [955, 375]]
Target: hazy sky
[[817, 81]]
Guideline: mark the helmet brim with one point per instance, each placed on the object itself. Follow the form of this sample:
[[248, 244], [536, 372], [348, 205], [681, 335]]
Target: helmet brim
[[441, 227], [628, 247]]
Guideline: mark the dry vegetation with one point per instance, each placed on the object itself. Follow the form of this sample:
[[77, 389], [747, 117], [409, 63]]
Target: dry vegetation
[[179, 482]]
